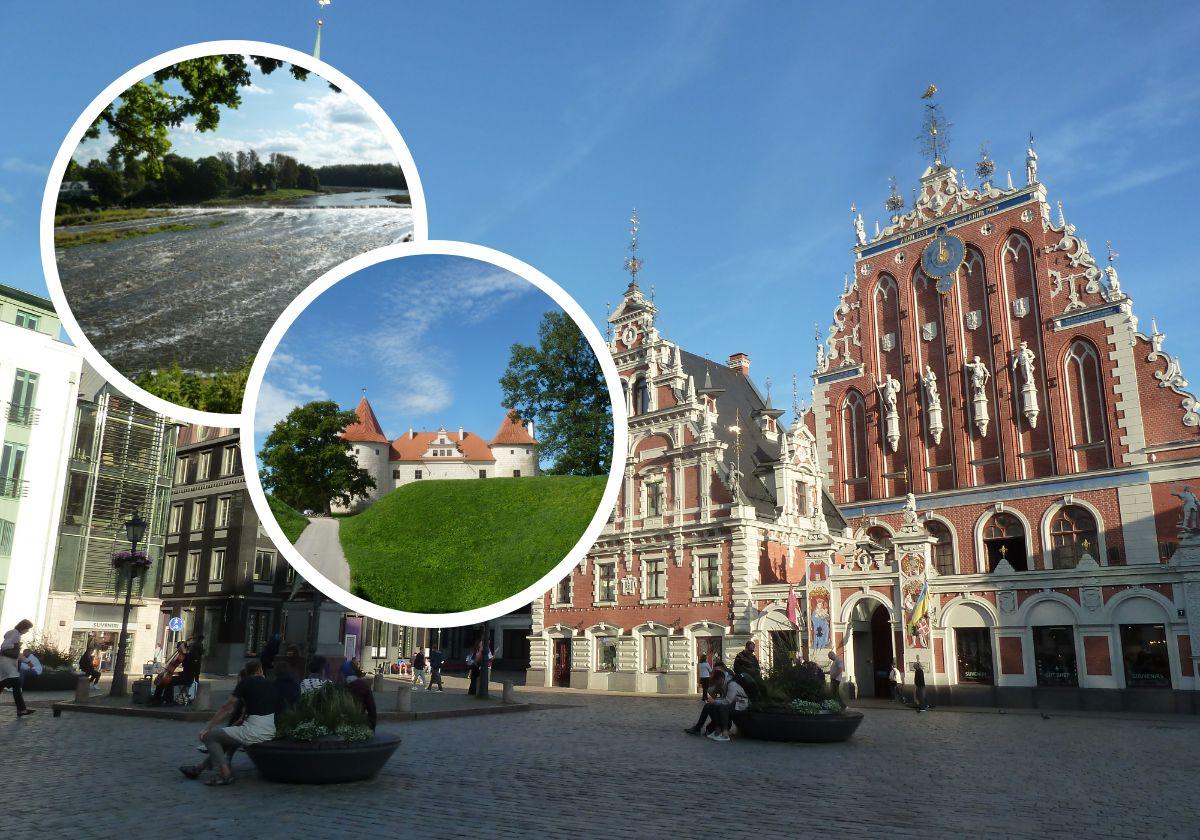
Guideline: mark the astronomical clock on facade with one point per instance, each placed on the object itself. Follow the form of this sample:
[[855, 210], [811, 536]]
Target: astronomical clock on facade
[[996, 478]]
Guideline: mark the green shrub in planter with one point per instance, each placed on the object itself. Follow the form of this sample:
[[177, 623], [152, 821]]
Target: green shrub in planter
[[328, 712], [795, 688], [50, 655]]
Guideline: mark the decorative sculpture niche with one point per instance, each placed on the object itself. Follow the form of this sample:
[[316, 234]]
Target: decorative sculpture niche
[[978, 376], [1023, 364], [933, 405], [889, 389]]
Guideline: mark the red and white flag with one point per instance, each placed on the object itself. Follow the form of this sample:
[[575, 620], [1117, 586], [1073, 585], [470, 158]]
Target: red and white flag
[[793, 606]]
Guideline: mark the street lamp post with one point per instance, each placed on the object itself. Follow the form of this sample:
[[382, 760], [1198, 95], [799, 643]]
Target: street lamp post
[[135, 530]]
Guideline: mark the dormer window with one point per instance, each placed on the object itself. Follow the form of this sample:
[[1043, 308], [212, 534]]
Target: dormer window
[[641, 397]]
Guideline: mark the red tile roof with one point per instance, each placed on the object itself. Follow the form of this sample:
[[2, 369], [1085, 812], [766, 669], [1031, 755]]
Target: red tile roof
[[367, 429], [512, 430], [412, 448]]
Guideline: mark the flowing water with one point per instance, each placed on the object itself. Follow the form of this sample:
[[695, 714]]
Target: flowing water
[[206, 297]]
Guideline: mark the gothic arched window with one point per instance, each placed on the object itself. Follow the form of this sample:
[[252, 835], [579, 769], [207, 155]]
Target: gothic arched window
[[1085, 405], [854, 446], [1072, 533], [1004, 539], [943, 548]]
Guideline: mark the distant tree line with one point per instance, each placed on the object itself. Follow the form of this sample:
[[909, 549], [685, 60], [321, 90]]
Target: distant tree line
[[387, 175], [117, 181]]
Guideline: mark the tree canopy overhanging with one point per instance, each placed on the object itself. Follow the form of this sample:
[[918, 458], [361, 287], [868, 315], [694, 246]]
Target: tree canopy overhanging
[[307, 464], [560, 385]]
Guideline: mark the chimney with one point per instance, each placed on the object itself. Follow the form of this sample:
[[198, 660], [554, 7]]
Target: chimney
[[461, 434], [529, 428], [740, 362], [411, 433]]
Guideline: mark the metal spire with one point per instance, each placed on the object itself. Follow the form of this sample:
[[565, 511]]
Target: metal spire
[[633, 263], [935, 132], [1112, 254], [796, 395], [321, 4]]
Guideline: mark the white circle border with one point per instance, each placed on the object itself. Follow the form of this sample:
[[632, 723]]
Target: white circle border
[[147, 68], [611, 489]]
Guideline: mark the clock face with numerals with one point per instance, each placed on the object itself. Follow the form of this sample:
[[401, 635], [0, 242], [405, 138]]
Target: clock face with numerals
[[942, 257]]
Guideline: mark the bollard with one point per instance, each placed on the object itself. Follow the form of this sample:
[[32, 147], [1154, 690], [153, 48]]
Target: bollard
[[83, 689], [203, 700], [404, 698], [508, 695], [378, 684]]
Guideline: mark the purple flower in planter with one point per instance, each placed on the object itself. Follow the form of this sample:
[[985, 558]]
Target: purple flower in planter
[[136, 560]]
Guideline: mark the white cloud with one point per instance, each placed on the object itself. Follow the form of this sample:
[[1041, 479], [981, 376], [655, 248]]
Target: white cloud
[[465, 293], [289, 383], [257, 90], [22, 166]]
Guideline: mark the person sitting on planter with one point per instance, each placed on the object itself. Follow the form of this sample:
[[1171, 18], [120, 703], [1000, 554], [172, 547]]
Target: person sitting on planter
[[29, 665], [257, 694], [87, 664], [361, 689], [287, 687], [729, 698], [748, 670], [315, 678]]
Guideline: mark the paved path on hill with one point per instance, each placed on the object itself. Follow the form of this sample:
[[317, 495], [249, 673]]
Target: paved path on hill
[[619, 767], [321, 545]]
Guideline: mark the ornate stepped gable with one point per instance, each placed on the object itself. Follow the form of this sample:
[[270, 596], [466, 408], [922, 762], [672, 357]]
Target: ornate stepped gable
[[985, 374]]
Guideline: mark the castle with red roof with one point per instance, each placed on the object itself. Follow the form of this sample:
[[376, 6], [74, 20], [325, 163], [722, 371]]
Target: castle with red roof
[[415, 456]]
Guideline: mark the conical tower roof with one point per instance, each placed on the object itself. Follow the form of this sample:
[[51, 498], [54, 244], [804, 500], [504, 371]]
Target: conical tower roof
[[512, 430], [367, 428]]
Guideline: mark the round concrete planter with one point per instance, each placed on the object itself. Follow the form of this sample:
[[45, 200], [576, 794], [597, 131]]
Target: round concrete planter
[[808, 729], [52, 681], [322, 762]]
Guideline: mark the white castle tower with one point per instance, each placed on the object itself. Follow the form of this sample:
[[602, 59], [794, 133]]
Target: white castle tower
[[514, 448], [372, 450]]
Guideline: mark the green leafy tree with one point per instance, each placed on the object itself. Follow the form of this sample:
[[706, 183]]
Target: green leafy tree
[[307, 463], [139, 120], [560, 384]]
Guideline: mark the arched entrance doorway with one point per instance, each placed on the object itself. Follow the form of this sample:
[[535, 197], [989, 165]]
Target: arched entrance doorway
[[871, 642]]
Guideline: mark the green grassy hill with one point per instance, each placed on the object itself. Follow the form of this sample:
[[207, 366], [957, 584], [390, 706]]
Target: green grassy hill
[[446, 546], [291, 521]]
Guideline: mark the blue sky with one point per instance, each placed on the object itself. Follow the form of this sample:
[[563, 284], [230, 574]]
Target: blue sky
[[741, 131], [278, 113], [428, 336]]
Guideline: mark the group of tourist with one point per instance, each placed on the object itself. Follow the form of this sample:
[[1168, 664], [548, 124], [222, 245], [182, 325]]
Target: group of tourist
[[266, 687], [724, 693], [427, 666]]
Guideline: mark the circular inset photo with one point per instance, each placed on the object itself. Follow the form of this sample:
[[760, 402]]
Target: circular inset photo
[[197, 196], [439, 434]]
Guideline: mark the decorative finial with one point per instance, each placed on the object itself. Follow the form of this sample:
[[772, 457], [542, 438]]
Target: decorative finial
[[1062, 219], [935, 133], [608, 329], [767, 383], [633, 263], [1010, 183], [894, 201], [986, 167], [651, 294], [1112, 254], [321, 4], [796, 396]]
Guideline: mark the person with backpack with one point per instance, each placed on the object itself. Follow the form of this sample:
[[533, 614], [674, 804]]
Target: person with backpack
[[418, 666]]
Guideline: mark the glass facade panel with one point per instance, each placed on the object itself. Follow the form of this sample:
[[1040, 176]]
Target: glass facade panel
[[973, 648], [1054, 656], [1144, 651]]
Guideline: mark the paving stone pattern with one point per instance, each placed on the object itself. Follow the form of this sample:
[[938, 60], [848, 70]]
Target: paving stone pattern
[[620, 767]]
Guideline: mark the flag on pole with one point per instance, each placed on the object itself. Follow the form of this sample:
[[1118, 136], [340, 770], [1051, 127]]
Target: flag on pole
[[793, 607], [920, 608]]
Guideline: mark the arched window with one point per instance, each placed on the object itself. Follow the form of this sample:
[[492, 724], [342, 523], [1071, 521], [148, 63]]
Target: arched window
[[943, 548], [854, 446], [1072, 533], [881, 536], [641, 396], [1085, 406], [1004, 539]]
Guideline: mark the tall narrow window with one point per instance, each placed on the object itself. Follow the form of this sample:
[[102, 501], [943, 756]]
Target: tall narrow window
[[606, 582], [1085, 406], [7, 529], [709, 571], [12, 468], [654, 492], [20, 408], [199, 508], [1073, 533], [854, 446], [216, 566], [176, 520], [641, 397], [192, 573], [204, 468], [655, 584], [943, 548], [223, 504], [264, 565]]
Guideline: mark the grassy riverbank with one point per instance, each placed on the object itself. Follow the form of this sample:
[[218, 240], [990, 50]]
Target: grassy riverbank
[[220, 392], [261, 198], [291, 521], [73, 239], [113, 214], [443, 546]]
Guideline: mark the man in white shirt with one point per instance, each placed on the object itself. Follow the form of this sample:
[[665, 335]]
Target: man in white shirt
[[29, 665], [836, 670]]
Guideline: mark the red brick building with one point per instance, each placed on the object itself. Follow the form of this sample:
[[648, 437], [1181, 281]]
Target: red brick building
[[1011, 455]]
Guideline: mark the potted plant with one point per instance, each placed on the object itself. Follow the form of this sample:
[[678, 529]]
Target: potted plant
[[795, 704], [323, 738]]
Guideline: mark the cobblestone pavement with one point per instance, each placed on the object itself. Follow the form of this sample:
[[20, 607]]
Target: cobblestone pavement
[[620, 767]]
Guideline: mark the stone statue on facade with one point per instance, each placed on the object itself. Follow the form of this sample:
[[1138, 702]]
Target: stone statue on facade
[[889, 389], [1023, 364], [1189, 516], [933, 405], [978, 375], [860, 231], [1031, 163]]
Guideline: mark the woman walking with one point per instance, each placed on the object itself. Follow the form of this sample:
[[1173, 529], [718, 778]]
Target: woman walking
[[10, 671]]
